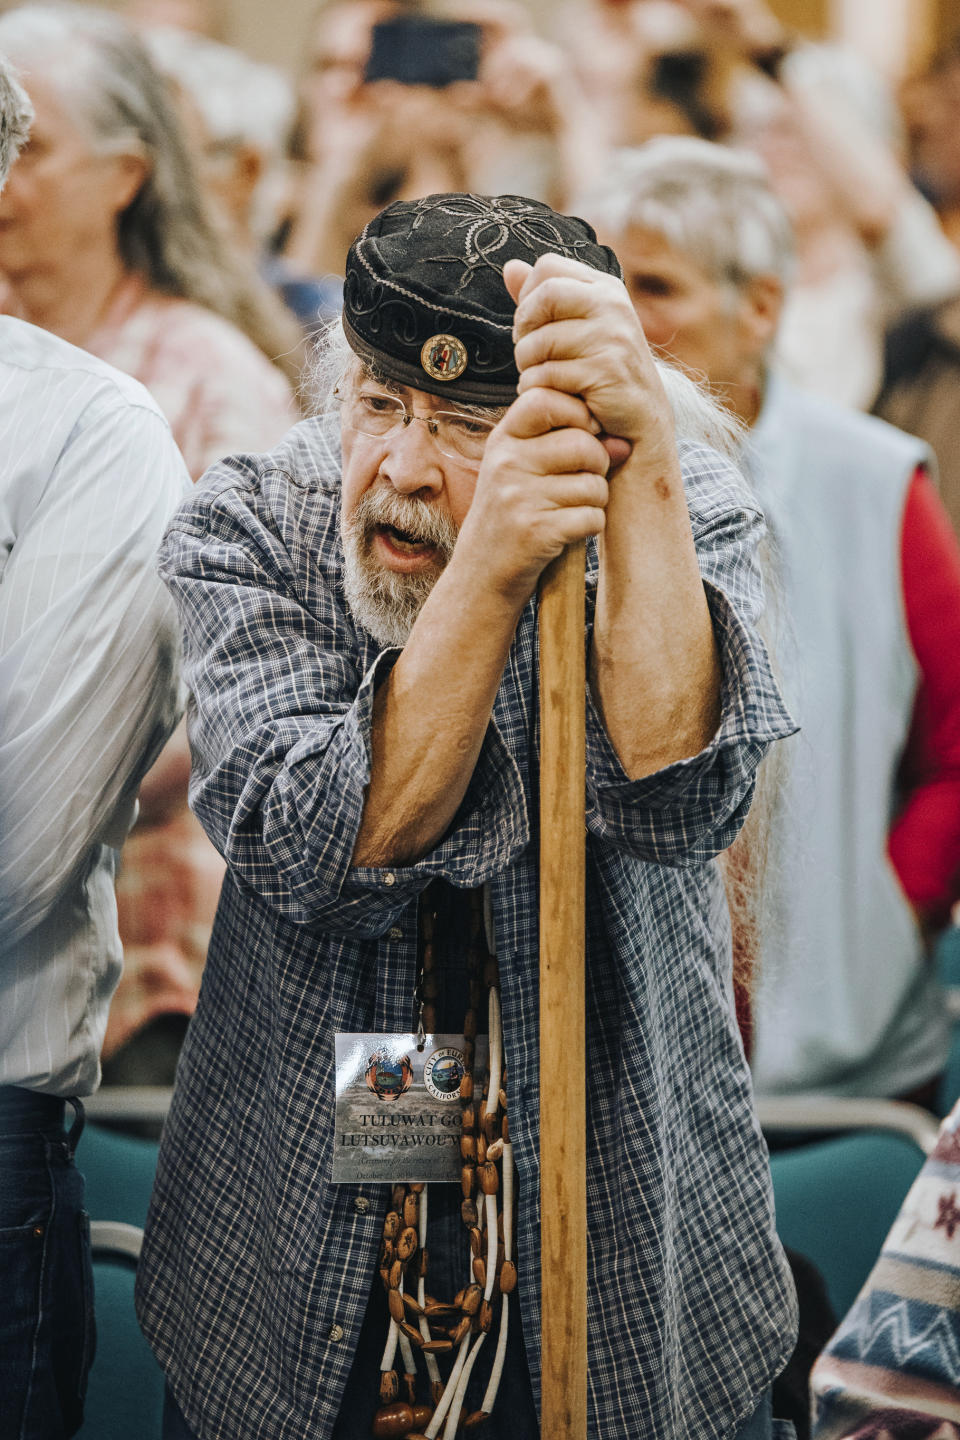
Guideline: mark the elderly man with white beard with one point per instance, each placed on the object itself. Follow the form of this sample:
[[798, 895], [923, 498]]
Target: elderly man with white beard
[[360, 622]]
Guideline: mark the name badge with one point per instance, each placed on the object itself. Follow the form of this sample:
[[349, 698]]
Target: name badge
[[397, 1116]]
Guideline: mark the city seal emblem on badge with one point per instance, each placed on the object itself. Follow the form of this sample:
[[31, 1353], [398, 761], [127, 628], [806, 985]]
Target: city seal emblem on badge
[[444, 357], [443, 1072]]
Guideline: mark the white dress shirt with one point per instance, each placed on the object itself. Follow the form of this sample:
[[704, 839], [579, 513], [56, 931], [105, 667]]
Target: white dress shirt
[[89, 686]]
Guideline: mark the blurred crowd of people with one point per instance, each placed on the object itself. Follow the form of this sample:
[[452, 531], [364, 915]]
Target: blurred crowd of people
[[789, 231]]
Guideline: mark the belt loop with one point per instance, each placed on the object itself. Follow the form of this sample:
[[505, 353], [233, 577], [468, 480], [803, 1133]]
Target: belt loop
[[76, 1129]]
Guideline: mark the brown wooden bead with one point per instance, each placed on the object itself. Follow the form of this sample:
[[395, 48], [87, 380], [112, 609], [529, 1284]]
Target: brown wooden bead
[[396, 1275], [395, 1306], [418, 1187], [470, 1303], [422, 1415], [491, 1126], [489, 1181], [399, 1192], [411, 1210], [391, 1225], [495, 1151], [437, 1347], [468, 1213], [387, 1253], [479, 1271], [437, 1311], [466, 1086], [502, 1097], [473, 1421], [481, 1149], [430, 1017], [412, 1334], [389, 1386], [410, 1386], [391, 1422], [406, 1244], [468, 1180], [436, 1391], [476, 1242], [505, 1130], [462, 1329], [469, 1053], [385, 1276], [486, 1317], [468, 1146], [412, 1304], [423, 1264], [459, 1297], [430, 988], [507, 1277], [468, 1115]]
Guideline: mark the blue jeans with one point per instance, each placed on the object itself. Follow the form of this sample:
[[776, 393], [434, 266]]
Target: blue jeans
[[46, 1280]]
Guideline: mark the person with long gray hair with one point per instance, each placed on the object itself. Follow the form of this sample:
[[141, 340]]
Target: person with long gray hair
[[105, 238], [847, 1002], [89, 672]]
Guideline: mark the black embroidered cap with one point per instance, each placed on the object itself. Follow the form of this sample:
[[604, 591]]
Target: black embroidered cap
[[424, 300]]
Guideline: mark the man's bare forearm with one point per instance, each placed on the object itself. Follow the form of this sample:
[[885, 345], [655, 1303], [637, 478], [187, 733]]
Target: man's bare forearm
[[429, 720], [654, 669]]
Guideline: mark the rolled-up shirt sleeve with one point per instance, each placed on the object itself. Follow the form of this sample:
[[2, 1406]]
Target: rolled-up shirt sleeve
[[280, 719], [689, 811]]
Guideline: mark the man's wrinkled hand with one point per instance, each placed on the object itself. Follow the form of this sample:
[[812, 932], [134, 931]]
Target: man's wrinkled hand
[[576, 331]]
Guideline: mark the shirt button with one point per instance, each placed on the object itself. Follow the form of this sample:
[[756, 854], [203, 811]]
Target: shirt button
[[361, 1204], [335, 1333], [389, 878], [395, 932]]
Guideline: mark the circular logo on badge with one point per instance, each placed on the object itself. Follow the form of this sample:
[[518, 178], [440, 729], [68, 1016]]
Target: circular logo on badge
[[388, 1075], [444, 357], [443, 1072]]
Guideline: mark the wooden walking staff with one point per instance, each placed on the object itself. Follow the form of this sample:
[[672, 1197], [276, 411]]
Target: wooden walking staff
[[563, 1174]]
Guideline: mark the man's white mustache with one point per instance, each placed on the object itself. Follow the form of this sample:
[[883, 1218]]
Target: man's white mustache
[[423, 522]]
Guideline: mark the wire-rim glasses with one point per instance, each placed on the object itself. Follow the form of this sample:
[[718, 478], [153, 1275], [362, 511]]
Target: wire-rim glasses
[[377, 413]]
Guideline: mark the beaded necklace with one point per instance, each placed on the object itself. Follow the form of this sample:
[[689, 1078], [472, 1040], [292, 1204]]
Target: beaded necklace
[[453, 1332]]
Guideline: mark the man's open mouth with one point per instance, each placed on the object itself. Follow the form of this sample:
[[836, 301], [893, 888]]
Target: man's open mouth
[[404, 540]]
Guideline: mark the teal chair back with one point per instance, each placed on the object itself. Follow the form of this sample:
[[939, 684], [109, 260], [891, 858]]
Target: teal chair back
[[837, 1199], [119, 1171], [125, 1389]]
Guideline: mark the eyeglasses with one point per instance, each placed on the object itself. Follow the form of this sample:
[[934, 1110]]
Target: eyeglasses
[[377, 413]]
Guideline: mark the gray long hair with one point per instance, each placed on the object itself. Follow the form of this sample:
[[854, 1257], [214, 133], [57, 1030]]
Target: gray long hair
[[107, 81], [16, 117]]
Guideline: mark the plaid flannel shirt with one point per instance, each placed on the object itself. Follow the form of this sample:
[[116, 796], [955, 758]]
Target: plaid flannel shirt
[[256, 1269]]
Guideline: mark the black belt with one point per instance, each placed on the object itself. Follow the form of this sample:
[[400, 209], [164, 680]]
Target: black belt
[[28, 1110]]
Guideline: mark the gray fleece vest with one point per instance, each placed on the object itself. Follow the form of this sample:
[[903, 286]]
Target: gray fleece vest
[[846, 1003]]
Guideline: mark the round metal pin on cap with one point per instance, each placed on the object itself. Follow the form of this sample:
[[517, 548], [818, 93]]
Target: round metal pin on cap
[[443, 357]]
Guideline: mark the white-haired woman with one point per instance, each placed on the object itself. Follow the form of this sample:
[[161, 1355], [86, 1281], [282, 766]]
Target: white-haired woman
[[105, 239]]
